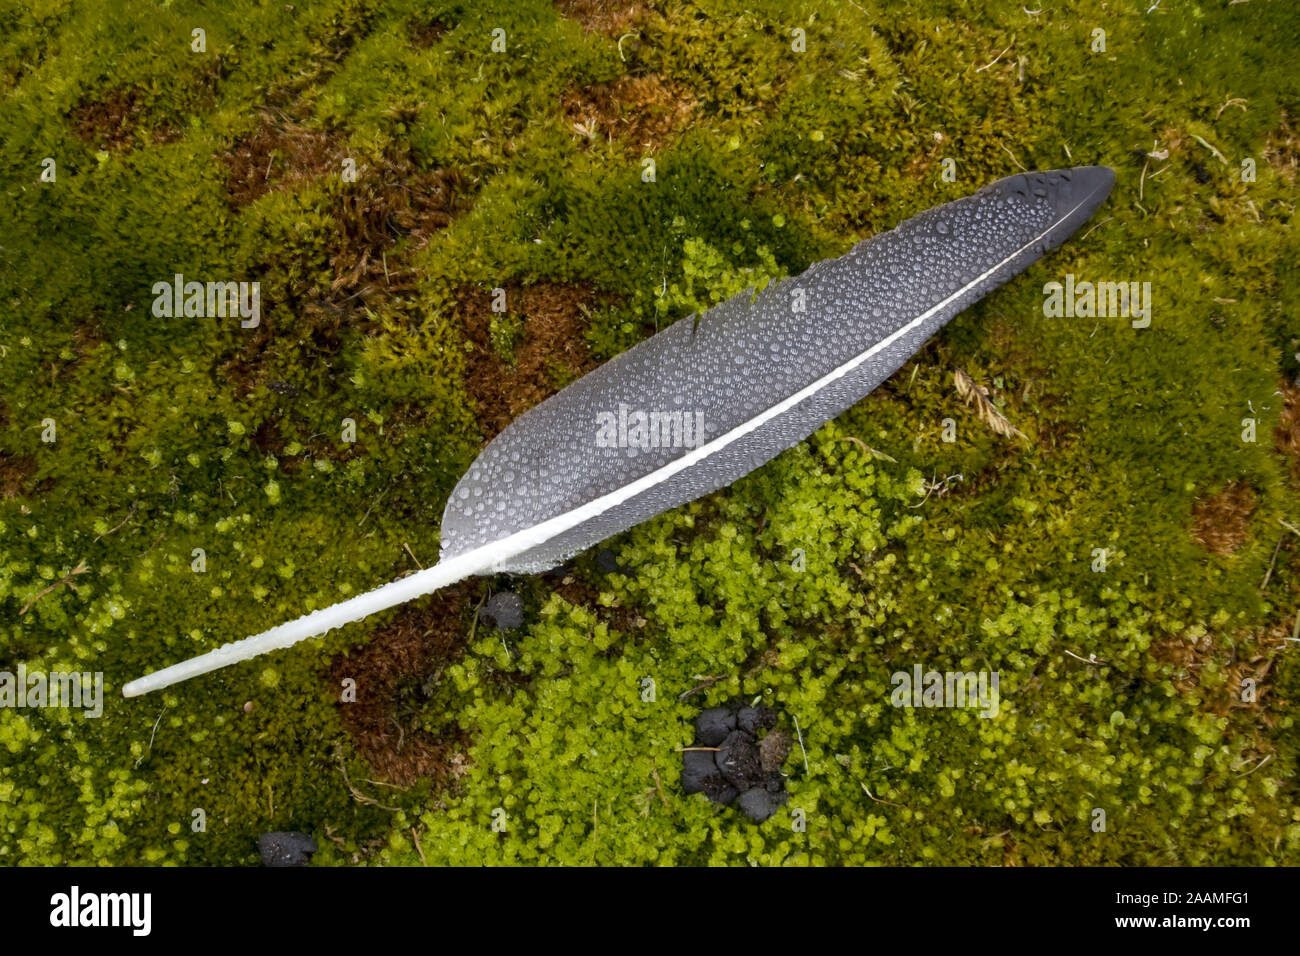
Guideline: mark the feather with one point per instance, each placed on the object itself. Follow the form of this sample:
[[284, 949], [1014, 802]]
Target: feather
[[714, 396]]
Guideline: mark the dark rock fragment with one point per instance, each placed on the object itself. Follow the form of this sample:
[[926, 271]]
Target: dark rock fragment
[[284, 848], [712, 726], [729, 763], [738, 760], [505, 610], [607, 561], [758, 803], [697, 768]]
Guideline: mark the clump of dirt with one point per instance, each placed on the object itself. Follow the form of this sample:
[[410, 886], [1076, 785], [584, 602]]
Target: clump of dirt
[[1287, 434], [113, 123], [550, 353], [642, 111], [396, 671], [277, 154], [1220, 521], [737, 758], [610, 17]]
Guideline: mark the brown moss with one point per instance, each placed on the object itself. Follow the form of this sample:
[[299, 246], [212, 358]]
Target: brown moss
[[395, 671], [1247, 655], [390, 212], [610, 17], [87, 337], [243, 370], [642, 111], [425, 33], [267, 438], [390, 202], [278, 154], [551, 352], [15, 475], [1287, 434], [1282, 150], [1220, 521], [114, 122], [921, 166]]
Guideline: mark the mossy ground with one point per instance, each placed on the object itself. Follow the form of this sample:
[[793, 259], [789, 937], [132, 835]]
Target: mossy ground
[[523, 170]]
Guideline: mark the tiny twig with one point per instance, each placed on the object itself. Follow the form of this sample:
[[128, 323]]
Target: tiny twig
[[134, 506], [705, 684], [1098, 226], [1235, 101], [801, 749], [81, 568], [1218, 155], [1023, 169], [889, 803], [1092, 659], [1266, 759], [357, 794], [868, 449], [994, 60], [415, 835], [1271, 565], [985, 410], [151, 735], [377, 501], [659, 787]]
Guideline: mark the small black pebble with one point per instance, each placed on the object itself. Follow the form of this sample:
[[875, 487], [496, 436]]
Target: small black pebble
[[758, 804], [754, 719], [697, 768], [505, 610], [607, 561], [739, 768], [713, 725], [286, 849]]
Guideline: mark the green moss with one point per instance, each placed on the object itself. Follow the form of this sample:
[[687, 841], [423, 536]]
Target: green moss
[[874, 546]]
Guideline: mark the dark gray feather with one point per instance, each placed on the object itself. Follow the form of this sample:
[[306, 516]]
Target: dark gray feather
[[742, 357]]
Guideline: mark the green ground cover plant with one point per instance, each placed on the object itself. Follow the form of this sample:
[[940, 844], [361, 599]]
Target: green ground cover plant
[[199, 485]]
